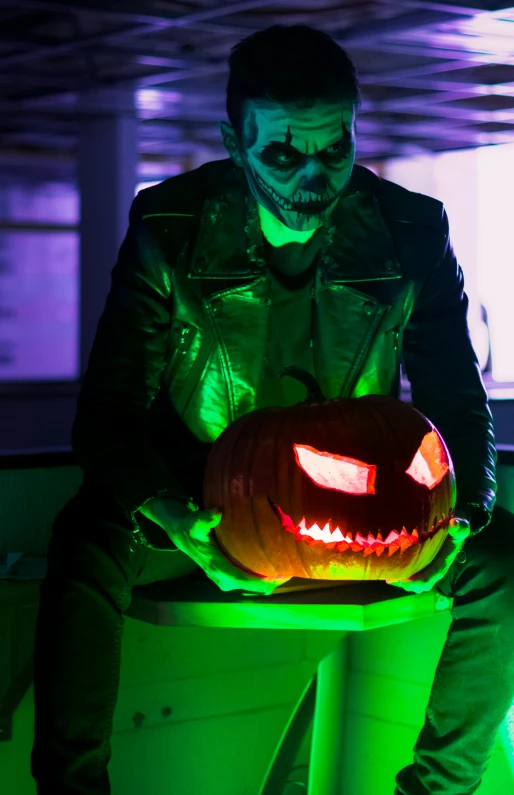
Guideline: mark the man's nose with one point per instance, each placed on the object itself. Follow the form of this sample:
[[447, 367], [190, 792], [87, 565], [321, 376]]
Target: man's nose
[[317, 183]]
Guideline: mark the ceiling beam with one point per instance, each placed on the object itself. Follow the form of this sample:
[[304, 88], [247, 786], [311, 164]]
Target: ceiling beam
[[372, 140], [212, 108], [417, 106], [452, 7], [408, 72], [401, 78], [365, 127], [432, 51], [465, 90], [48, 80], [176, 128]]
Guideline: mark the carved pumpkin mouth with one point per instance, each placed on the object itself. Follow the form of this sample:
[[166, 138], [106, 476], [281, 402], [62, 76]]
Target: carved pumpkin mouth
[[332, 537]]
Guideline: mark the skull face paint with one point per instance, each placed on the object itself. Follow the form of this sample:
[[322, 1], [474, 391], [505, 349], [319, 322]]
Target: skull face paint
[[297, 161]]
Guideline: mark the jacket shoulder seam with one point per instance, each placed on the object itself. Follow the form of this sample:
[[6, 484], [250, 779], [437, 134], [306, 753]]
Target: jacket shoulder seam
[[406, 206]]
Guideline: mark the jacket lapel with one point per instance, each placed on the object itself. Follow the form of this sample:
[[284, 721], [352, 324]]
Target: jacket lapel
[[228, 272], [357, 245]]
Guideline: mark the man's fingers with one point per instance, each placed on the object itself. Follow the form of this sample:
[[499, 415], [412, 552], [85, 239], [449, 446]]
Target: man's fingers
[[208, 518], [204, 551], [204, 522], [227, 577], [200, 532], [425, 579]]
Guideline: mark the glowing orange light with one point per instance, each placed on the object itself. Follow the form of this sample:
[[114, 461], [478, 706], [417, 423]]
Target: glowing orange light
[[430, 464], [332, 471]]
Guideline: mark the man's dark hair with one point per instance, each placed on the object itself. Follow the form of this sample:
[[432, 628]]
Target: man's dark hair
[[290, 64]]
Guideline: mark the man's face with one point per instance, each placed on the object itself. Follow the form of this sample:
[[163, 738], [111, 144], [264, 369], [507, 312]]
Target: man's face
[[297, 161]]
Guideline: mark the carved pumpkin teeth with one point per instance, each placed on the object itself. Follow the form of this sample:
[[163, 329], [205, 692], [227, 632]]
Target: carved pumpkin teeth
[[393, 535], [335, 539]]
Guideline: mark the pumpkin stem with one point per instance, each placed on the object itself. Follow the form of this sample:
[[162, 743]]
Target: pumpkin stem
[[314, 392]]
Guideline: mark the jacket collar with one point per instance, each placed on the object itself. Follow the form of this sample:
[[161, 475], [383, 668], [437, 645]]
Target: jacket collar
[[356, 246]]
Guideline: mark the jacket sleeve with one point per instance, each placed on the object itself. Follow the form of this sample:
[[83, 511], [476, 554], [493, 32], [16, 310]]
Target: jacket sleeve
[[109, 434], [446, 382]]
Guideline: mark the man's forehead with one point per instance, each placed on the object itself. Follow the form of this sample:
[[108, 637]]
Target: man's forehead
[[270, 121]]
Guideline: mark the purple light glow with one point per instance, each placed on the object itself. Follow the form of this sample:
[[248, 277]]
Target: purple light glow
[[39, 269], [39, 291]]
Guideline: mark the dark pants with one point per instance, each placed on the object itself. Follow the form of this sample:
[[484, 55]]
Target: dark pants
[[92, 567], [473, 687]]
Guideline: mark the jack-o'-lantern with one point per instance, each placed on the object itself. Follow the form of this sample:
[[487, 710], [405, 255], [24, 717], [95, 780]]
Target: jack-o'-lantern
[[334, 489]]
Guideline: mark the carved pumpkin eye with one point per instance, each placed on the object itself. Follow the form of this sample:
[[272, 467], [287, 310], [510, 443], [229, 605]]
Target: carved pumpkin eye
[[430, 464], [332, 471]]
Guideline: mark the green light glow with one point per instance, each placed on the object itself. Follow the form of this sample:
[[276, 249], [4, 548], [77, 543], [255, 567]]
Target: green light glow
[[277, 233]]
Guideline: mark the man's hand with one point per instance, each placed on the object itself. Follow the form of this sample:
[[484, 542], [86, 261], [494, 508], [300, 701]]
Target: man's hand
[[190, 532], [424, 580]]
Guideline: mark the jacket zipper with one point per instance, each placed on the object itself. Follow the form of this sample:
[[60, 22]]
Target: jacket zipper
[[193, 377], [397, 389], [181, 336], [356, 368]]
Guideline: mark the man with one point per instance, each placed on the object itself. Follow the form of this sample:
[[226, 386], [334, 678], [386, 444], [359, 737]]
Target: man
[[286, 253]]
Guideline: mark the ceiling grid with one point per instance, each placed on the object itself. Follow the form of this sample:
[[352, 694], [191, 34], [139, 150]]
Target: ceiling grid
[[435, 76]]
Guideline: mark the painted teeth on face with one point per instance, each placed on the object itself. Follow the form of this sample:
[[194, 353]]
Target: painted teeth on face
[[279, 200], [308, 196], [299, 197]]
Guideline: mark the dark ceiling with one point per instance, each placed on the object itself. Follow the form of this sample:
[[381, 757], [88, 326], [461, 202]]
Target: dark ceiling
[[435, 75]]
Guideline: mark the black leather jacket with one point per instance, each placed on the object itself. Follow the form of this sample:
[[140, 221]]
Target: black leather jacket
[[180, 346]]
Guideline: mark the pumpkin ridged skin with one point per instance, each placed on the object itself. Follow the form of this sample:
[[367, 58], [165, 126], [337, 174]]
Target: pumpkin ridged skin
[[252, 466]]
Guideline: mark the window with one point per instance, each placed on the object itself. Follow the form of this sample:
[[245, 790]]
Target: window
[[39, 281], [473, 185], [40, 277]]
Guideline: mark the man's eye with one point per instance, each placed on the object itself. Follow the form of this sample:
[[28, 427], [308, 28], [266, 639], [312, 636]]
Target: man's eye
[[285, 156], [340, 149], [281, 156]]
